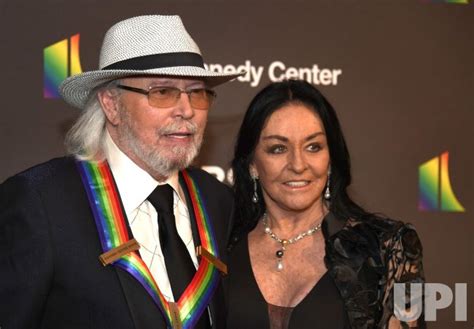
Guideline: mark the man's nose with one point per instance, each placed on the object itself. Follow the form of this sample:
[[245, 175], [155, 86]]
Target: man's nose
[[183, 106]]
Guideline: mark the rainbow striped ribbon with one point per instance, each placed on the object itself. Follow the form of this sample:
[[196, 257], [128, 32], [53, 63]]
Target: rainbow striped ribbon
[[110, 221]]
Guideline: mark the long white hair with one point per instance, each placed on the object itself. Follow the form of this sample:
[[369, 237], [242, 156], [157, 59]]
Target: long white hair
[[85, 140]]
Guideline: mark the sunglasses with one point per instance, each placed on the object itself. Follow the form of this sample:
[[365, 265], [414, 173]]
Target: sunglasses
[[162, 97]]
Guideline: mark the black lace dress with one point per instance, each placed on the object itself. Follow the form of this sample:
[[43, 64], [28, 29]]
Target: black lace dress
[[323, 307], [364, 259]]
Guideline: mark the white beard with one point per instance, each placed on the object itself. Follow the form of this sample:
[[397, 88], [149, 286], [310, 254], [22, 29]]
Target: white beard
[[164, 162]]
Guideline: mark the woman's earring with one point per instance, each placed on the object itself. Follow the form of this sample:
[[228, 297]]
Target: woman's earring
[[255, 194], [327, 193]]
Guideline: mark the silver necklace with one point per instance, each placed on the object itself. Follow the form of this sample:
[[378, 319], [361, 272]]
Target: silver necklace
[[285, 242]]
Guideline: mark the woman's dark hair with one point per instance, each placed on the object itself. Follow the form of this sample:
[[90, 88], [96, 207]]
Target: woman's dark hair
[[265, 103]]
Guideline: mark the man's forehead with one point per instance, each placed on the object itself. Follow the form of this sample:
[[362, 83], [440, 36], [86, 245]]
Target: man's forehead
[[165, 81]]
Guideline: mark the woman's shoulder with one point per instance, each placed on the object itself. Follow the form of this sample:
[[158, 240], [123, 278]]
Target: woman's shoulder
[[369, 254], [378, 235], [383, 228]]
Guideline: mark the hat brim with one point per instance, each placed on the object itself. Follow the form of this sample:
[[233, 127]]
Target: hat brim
[[76, 89]]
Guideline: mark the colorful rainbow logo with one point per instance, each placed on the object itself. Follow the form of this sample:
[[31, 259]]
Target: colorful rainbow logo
[[60, 60], [435, 188]]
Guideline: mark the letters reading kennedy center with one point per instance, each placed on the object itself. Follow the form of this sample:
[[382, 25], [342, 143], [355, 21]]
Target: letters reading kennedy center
[[62, 60], [278, 71]]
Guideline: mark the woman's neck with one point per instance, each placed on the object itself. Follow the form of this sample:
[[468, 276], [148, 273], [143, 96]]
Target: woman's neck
[[287, 223]]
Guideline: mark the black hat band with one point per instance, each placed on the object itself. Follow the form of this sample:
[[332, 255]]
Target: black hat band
[[158, 61]]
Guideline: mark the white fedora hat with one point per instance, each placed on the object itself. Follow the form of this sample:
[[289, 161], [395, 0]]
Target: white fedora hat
[[143, 45]]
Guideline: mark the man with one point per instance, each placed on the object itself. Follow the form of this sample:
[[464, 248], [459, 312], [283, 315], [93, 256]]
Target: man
[[86, 240]]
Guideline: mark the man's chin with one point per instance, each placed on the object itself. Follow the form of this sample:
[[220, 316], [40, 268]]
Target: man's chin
[[165, 160], [172, 162], [178, 164], [179, 154]]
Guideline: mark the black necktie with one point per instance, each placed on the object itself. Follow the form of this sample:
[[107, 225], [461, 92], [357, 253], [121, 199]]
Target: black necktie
[[179, 264]]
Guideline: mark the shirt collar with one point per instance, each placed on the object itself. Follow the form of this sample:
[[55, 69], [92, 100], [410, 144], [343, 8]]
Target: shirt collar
[[134, 184]]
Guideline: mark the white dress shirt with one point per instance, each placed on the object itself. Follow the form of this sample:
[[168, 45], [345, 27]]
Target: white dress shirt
[[135, 185]]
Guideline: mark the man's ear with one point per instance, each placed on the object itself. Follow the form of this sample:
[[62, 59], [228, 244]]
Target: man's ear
[[109, 103]]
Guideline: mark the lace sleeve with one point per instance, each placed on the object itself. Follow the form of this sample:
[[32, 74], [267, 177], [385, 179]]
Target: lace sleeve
[[404, 265]]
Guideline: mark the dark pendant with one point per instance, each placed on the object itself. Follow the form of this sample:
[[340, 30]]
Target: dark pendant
[[279, 253]]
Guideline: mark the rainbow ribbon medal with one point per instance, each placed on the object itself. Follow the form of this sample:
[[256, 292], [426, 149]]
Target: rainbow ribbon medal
[[110, 221]]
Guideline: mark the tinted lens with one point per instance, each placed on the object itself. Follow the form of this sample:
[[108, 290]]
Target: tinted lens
[[201, 99], [163, 96]]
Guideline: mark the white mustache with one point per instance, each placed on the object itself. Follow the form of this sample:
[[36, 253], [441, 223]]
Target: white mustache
[[178, 127]]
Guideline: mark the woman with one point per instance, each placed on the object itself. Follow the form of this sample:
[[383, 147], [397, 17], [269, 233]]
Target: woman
[[303, 254]]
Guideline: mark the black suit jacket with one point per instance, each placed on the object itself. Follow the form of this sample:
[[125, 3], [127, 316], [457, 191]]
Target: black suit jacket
[[50, 274]]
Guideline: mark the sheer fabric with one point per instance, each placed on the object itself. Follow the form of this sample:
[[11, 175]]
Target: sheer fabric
[[323, 307], [365, 258], [279, 316]]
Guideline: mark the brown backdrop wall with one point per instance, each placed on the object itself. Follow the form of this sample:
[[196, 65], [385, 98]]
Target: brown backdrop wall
[[404, 93]]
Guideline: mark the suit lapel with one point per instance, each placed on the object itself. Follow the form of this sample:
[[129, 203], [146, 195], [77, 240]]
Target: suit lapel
[[143, 310], [145, 313], [213, 305]]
